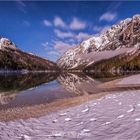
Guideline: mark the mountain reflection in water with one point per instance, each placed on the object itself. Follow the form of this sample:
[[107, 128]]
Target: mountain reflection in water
[[20, 90], [79, 84]]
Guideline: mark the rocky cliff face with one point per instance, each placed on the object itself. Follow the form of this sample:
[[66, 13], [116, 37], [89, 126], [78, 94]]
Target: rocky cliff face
[[12, 58], [120, 40]]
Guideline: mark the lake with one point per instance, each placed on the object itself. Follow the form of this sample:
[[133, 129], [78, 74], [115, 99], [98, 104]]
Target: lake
[[38, 93]]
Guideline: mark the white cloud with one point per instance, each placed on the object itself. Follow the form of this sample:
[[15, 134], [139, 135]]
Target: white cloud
[[71, 40], [63, 35], [54, 52], [45, 45], [71, 36], [47, 23], [114, 5], [77, 24], [82, 36], [21, 6], [97, 28], [57, 47], [100, 29], [108, 16], [62, 46], [58, 22], [21, 3]]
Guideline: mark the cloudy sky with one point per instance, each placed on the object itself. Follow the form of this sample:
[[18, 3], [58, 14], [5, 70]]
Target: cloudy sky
[[48, 29]]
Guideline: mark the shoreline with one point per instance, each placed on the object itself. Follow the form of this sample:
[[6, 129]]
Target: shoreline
[[109, 115], [35, 111], [26, 71], [113, 116]]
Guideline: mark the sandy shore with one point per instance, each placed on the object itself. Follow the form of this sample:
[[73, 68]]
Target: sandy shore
[[115, 116], [35, 111]]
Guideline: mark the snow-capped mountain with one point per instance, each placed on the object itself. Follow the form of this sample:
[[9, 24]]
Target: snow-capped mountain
[[121, 39], [12, 58], [6, 43]]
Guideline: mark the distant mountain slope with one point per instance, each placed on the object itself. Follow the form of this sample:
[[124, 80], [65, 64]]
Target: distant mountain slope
[[126, 61], [120, 41], [12, 58]]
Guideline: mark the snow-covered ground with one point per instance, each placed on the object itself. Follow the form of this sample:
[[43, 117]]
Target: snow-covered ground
[[131, 80], [115, 116], [98, 56]]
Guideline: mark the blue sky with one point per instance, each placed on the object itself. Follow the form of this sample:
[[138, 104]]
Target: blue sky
[[48, 29]]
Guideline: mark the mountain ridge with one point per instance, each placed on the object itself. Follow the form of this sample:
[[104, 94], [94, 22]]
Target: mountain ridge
[[12, 58], [123, 36]]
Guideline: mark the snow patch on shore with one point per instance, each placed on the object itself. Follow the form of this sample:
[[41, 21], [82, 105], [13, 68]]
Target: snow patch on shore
[[131, 80]]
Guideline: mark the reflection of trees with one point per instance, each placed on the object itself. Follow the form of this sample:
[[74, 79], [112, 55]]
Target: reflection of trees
[[21, 82], [79, 84], [108, 76], [10, 85]]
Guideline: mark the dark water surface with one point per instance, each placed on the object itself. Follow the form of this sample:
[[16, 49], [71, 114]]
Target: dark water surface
[[18, 90]]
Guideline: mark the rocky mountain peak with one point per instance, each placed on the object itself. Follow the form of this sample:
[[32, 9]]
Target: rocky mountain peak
[[6, 43], [125, 34], [14, 59]]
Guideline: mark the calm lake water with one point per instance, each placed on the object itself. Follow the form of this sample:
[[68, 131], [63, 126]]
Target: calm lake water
[[20, 90]]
